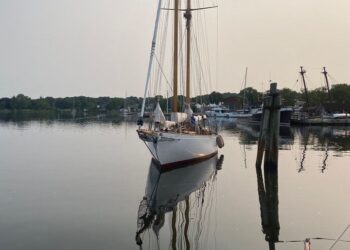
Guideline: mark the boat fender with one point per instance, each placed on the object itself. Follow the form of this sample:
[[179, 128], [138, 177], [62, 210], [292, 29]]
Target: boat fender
[[220, 141]]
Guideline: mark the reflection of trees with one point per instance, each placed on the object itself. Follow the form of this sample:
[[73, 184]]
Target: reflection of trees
[[249, 134]]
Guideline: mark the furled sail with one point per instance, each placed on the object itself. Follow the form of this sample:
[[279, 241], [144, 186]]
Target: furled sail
[[188, 111], [158, 115]]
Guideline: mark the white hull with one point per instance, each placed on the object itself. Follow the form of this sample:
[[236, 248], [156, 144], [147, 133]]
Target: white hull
[[171, 148], [220, 115], [228, 115]]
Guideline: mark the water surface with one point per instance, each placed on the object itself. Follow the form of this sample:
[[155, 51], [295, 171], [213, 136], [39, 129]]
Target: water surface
[[92, 185]]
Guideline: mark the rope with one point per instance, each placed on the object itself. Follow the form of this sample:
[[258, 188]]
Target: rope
[[315, 238], [339, 237], [161, 70]]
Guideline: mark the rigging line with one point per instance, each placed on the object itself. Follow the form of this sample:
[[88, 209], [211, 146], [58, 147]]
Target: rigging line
[[182, 69], [162, 41], [316, 238], [194, 9], [156, 72], [204, 60], [199, 56], [194, 80], [309, 81], [339, 237], [161, 69], [199, 65], [206, 44], [194, 37], [312, 68], [333, 79]]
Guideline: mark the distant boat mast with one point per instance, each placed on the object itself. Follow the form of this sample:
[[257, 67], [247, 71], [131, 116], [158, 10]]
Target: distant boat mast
[[302, 73], [245, 88], [327, 83]]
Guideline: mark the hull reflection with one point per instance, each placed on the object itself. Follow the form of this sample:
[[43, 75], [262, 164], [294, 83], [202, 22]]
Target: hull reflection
[[180, 193]]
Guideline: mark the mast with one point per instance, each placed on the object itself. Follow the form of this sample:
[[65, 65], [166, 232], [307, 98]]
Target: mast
[[327, 83], [153, 47], [188, 17], [167, 102], [187, 222], [173, 226], [245, 87], [176, 45], [302, 73]]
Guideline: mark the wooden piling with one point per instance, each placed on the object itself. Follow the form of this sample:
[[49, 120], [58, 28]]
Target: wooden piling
[[269, 128], [268, 149]]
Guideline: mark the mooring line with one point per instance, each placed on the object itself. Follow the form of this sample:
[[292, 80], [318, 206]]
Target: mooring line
[[339, 237]]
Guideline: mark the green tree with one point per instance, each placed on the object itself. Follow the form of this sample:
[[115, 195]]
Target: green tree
[[289, 97], [40, 104], [251, 96], [318, 96], [21, 102]]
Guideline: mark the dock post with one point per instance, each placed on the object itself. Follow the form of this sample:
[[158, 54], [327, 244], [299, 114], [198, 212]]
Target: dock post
[[269, 128], [268, 149]]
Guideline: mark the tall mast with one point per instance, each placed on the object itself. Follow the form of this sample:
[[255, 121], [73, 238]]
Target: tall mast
[[176, 42], [245, 87], [188, 16], [326, 77], [302, 73]]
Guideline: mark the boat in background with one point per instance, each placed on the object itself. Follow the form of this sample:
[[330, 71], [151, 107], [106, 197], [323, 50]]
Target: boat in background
[[219, 111], [305, 115], [285, 116]]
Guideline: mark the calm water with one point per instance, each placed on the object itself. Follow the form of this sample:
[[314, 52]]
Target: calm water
[[92, 185]]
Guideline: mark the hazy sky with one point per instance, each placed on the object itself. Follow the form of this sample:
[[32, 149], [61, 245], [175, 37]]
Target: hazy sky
[[101, 48]]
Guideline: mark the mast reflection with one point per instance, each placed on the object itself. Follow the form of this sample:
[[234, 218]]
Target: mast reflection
[[327, 139], [185, 194]]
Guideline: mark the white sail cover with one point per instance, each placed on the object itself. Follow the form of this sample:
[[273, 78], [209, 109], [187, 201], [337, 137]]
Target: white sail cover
[[158, 115], [178, 117]]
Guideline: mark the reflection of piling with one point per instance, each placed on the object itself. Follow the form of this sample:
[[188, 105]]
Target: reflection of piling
[[307, 244], [268, 148]]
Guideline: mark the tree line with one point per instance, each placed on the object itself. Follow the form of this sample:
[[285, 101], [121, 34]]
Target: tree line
[[339, 97]]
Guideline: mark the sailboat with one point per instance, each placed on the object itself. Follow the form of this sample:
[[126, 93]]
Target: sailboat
[[185, 137], [318, 116]]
